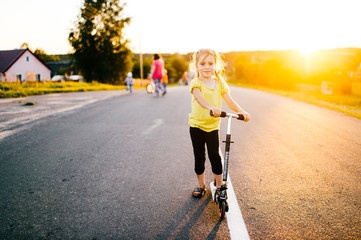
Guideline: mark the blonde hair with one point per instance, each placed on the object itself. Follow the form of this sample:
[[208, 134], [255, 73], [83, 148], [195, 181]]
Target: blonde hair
[[217, 59]]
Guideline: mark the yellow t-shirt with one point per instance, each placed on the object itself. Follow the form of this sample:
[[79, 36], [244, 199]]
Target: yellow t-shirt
[[200, 117]]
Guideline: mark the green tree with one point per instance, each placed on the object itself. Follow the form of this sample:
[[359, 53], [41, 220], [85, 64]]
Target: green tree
[[40, 53], [147, 62], [100, 51], [176, 65]]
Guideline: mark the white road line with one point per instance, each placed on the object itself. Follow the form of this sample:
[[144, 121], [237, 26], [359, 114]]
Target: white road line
[[236, 225], [156, 123]]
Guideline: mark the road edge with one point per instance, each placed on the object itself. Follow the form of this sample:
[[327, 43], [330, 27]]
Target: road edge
[[236, 225]]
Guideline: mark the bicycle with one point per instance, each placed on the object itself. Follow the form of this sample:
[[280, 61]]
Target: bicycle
[[221, 199], [150, 88]]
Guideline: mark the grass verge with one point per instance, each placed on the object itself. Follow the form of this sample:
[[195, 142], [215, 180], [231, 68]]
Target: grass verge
[[14, 90]]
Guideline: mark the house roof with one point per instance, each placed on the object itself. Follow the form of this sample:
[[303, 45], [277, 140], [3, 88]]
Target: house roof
[[9, 57]]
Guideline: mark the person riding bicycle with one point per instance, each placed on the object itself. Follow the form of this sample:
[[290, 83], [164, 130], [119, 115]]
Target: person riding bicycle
[[207, 90]]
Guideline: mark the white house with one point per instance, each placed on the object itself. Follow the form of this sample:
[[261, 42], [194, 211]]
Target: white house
[[22, 65]]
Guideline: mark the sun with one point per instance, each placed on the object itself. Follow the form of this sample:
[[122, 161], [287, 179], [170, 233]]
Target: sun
[[307, 50]]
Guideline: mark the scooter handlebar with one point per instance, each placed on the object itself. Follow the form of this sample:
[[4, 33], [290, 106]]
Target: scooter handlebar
[[240, 117], [225, 114]]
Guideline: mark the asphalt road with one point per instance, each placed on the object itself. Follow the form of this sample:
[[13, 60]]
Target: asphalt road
[[121, 167]]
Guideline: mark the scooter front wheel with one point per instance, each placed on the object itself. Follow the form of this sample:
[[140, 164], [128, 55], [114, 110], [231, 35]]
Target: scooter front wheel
[[222, 209]]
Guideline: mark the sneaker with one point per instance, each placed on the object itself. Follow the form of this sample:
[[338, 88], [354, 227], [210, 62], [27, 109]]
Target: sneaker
[[198, 192]]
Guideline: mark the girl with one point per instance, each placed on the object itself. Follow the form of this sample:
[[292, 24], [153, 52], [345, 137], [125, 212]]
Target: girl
[[207, 90]]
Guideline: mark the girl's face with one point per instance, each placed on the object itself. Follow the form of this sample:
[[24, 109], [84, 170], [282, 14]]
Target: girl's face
[[206, 66]]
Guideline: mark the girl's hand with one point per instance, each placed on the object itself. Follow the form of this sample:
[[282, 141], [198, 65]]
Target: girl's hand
[[246, 116], [216, 112]]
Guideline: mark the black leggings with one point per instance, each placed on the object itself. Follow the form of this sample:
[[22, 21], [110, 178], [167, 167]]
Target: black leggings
[[201, 138]]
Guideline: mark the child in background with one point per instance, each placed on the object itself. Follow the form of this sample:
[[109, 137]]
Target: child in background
[[129, 80], [207, 90], [164, 81]]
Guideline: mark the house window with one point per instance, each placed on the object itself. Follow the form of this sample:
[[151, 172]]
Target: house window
[[38, 77], [27, 58], [18, 77]]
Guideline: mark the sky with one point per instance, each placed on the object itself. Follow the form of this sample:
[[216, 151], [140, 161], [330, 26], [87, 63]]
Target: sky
[[169, 26]]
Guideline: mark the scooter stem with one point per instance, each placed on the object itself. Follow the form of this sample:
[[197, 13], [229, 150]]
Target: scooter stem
[[226, 158], [227, 148], [229, 125]]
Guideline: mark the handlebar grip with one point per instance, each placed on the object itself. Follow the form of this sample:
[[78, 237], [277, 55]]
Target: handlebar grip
[[223, 114], [240, 117]]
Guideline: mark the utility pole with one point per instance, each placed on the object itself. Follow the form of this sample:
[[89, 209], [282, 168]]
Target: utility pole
[[141, 62], [141, 68]]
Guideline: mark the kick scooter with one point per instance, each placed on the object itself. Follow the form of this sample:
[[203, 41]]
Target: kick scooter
[[221, 199]]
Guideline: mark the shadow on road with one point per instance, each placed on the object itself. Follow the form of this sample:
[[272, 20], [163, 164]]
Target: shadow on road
[[186, 218]]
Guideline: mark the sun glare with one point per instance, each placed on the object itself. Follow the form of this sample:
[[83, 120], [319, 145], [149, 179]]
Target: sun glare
[[307, 50]]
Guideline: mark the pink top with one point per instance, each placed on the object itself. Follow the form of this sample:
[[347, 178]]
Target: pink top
[[158, 71]]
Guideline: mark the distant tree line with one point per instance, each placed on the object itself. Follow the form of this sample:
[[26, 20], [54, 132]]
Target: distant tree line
[[175, 64], [272, 69], [286, 69]]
